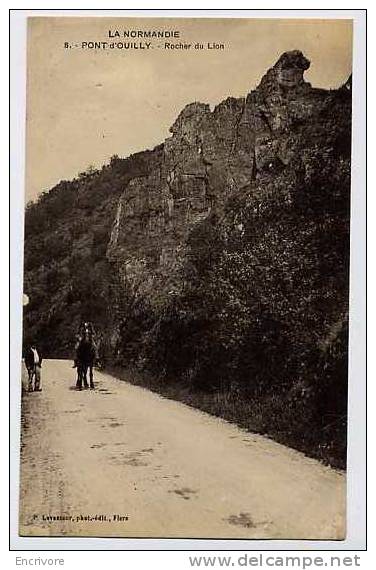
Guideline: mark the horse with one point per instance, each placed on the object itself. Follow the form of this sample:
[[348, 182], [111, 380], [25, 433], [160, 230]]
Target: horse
[[85, 359]]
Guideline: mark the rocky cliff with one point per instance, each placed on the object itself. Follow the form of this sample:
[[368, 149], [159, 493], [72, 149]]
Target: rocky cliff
[[218, 259], [214, 155]]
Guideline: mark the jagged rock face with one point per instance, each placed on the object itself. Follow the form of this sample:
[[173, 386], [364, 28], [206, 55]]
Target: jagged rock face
[[289, 69], [211, 156], [204, 161]]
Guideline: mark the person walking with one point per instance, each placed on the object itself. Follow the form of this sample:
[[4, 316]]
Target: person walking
[[33, 363]]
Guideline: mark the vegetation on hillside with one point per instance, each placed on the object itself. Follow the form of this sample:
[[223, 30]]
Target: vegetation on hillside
[[257, 329]]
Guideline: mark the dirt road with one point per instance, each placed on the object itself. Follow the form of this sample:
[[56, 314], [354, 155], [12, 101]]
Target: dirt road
[[122, 461]]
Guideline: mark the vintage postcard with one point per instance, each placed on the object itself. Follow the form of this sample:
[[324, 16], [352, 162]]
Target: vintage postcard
[[186, 277]]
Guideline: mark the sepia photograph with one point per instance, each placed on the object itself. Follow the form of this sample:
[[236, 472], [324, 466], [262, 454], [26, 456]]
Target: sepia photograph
[[186, 271]]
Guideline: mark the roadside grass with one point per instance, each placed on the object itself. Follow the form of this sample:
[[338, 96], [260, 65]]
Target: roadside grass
[[268, 415]]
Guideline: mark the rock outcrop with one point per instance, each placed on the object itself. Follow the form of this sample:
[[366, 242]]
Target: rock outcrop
[[210, 157]]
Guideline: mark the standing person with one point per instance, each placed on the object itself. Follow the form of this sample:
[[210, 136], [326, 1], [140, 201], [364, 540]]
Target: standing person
[[33, 363]]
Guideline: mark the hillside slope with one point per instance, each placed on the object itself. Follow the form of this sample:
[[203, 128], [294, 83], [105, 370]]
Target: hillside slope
[[217, 261]]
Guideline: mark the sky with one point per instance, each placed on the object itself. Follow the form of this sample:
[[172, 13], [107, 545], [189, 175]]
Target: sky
[[85, 105]]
